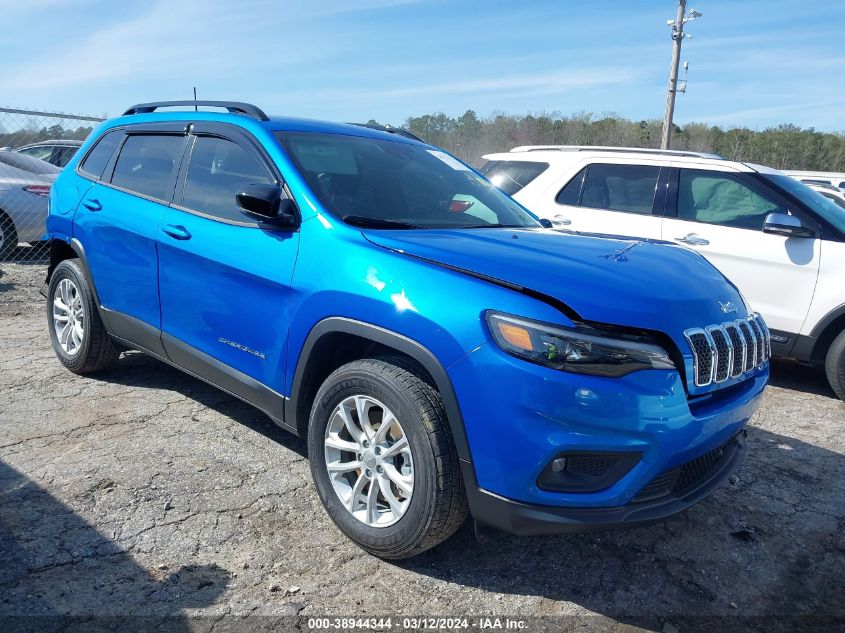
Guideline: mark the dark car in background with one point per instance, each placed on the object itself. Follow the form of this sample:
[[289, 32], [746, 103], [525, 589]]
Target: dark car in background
[[56, 152]]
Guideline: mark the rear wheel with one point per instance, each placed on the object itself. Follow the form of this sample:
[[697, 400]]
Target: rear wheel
[[8, 236], [835, 365], [383, 460], [78, 335]]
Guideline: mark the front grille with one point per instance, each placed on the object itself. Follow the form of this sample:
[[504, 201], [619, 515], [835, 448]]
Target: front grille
[[682, 478], [728, 350], [750, 347]]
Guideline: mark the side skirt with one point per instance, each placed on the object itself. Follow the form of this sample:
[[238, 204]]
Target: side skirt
[[136, 334]]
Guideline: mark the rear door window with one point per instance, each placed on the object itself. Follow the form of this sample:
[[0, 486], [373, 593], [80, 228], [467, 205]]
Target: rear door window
[[512, 175], [147, 164], [99, 156], [217, 172], [628, 188]]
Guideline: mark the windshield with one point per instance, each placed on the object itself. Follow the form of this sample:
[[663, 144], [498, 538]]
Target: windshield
[[826, 208], [393, 184], [28, 163]]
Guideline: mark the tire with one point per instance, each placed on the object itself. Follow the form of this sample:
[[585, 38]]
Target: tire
[[436, 506], [8, 236], [91, 351], [835, 365]]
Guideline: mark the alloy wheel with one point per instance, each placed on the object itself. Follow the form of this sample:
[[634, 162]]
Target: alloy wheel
[[68, 316], [368, 458]]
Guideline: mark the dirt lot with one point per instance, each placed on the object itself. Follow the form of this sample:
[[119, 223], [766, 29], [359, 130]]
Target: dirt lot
[[143, 491]]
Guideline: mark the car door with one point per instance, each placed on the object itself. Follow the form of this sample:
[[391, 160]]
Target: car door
[[117, 219], [720, 214], [224, 278], [618, 198]]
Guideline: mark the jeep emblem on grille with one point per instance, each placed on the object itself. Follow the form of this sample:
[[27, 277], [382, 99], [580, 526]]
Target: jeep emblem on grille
[[727, 307]]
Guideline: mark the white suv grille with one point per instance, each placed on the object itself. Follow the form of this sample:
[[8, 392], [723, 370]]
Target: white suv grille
[[728, 350]]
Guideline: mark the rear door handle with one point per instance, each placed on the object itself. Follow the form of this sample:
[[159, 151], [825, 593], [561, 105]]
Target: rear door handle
[[92, 204], [177, 232], [693, 240]]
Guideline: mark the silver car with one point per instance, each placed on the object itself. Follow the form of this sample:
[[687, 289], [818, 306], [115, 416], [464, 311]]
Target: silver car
[[24, 192]]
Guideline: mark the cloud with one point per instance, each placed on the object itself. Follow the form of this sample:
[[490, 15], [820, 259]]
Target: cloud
[[523, 84], [765, 112]]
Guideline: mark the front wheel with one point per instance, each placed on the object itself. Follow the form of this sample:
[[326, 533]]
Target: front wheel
[[383, 460], [835, 365]]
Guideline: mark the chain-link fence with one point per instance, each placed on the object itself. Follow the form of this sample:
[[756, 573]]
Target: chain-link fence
[[34, 146]]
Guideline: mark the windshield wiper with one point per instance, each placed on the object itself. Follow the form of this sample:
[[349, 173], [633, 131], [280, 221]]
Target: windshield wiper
[[498, 226], [377, 223]]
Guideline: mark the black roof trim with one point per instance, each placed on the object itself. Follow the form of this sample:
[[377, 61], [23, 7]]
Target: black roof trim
[[235, 107]]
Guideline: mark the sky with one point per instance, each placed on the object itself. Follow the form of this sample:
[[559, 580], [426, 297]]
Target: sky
[[754, 63]]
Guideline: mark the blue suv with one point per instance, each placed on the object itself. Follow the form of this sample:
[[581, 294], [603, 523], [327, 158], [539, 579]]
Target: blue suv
[[441, 349]]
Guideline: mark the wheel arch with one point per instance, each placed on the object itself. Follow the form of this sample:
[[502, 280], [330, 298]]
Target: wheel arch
[[70, 248], [826, 331], [336, 341]]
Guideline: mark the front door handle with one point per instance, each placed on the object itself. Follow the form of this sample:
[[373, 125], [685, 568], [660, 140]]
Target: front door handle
[[177, 232], [92, 204], [559, 219], [693, 240]]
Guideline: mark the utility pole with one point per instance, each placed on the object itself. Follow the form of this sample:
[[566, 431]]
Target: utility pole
[[677, 37]]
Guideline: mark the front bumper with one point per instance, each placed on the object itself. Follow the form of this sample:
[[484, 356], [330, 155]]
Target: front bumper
[[533, 519], [519, 416]]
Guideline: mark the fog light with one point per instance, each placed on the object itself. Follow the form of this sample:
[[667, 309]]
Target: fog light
[[586, 471]]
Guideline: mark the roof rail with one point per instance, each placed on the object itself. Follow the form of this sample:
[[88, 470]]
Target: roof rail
[[235, 107], [390, 129], [629, 150]]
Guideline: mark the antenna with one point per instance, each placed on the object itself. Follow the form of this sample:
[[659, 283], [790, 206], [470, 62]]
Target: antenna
[[195, 99]]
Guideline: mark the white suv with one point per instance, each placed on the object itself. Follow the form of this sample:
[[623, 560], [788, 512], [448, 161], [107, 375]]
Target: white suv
[[780, 242]]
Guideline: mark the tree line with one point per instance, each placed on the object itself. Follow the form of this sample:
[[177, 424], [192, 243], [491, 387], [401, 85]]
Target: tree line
[[469, 137], [785, 146], [32, 134]]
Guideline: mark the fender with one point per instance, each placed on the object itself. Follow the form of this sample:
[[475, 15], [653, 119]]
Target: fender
[[829, 318], [388, 338], [805, 348], [76, 246]]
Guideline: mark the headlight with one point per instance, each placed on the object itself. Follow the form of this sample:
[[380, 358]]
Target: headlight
[[580, 351]]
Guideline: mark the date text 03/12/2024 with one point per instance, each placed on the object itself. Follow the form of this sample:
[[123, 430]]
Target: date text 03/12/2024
[[416, 623]]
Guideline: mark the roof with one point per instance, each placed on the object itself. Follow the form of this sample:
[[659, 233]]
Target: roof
[[558, 154], [603, 148]]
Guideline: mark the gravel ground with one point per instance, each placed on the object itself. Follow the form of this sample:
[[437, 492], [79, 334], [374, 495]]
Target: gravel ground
[[145, 492]]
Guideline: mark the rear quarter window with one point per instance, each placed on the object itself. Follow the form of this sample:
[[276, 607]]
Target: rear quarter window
[[97, 159], [627, 188], [512, 175]]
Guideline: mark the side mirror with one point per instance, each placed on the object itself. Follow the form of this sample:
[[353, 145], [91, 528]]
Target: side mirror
[[786, 225], [546, 223], [266, 203]]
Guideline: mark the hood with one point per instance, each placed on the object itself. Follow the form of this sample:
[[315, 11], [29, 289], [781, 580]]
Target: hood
[[628, 282]]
